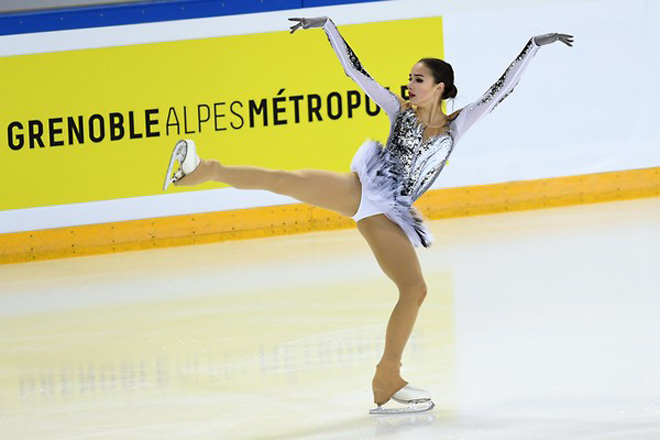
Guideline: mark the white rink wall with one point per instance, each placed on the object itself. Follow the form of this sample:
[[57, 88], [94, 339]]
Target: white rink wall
[[581, 110]]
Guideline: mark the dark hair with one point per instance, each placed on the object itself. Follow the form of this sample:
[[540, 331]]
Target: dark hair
[[442, 72]]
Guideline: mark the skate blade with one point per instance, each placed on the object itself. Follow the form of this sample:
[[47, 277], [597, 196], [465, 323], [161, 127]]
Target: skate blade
[[173, 159], [412, 408]]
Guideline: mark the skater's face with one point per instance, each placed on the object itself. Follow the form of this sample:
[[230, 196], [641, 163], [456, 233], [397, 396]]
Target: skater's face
[[422, 88]]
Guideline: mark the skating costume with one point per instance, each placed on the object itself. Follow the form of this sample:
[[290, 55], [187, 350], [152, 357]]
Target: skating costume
[[394, 176]]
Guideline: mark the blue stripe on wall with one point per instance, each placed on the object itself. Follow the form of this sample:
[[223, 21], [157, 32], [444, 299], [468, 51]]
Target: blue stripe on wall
[[315, 3], [144, 12]]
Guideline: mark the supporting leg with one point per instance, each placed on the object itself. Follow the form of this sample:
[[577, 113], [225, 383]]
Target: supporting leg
[[396, 256]]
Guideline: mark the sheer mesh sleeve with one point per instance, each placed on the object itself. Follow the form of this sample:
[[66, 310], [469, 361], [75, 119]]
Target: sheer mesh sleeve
[[502, 88], [353, 68]]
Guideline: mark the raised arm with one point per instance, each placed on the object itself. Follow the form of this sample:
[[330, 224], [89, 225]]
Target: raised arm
[[504, 86], [351, 64]]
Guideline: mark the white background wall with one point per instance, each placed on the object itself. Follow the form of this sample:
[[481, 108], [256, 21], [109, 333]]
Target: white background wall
[[580, 110]]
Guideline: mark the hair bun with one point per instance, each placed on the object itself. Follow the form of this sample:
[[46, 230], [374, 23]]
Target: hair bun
[[451, 92]]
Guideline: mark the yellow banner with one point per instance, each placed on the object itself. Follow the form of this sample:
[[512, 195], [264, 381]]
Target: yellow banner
[[100, 124]]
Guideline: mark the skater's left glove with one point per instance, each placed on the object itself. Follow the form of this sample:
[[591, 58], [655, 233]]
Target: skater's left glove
[[542, 40], [307, 23]]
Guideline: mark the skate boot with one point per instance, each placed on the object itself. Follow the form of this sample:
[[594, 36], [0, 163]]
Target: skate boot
[[416, 399], [185, 154]]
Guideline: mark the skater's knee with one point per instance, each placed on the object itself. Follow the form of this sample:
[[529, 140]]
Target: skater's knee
[[415, 293], [421, 293]]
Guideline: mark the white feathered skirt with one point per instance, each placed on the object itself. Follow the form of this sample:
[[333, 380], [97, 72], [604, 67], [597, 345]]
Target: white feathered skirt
[[382, 179]]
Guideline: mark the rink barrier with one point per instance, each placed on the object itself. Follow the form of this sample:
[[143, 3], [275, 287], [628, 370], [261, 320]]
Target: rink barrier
[[298, 218]]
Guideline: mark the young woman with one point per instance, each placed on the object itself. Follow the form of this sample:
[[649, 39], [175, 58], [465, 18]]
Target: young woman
[[383, 183]]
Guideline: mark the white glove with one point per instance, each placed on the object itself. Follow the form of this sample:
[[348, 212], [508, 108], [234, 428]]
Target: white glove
[[542, 40], [306, 23]]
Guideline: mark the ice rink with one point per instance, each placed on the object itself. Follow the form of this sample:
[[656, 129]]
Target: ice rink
[[538, 325]]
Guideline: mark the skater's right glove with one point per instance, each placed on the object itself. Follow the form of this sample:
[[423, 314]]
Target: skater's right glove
[[307, 23]]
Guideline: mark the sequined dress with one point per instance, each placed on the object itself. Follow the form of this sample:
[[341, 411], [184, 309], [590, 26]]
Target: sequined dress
[[395, 175]]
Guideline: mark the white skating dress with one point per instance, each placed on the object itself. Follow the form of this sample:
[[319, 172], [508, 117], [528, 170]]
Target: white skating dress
[[395, 175]]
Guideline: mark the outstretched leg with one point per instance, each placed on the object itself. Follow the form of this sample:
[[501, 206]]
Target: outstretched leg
[[339, 192], [398, 259]]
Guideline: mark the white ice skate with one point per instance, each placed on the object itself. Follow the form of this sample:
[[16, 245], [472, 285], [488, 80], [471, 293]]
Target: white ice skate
[[416, 399], [186, 155]]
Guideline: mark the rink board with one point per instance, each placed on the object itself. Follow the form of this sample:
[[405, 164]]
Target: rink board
[[298, 218]]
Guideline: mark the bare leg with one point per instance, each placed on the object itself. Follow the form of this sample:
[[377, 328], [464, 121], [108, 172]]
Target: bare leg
[[340, 192], [396, 256]]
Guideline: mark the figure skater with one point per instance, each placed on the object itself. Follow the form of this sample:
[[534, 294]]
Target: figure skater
[[383, 183]]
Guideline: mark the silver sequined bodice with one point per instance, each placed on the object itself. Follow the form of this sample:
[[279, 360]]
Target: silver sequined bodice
[[421, 160]]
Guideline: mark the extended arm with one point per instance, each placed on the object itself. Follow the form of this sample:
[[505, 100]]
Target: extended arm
[[504, 86], [351, 64]]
